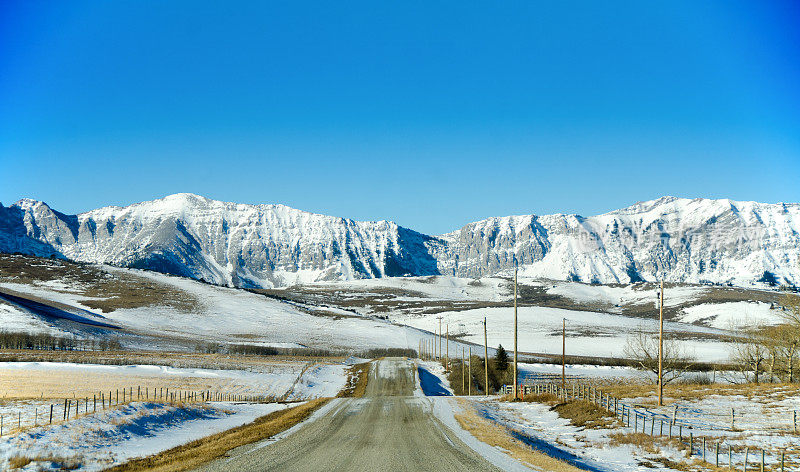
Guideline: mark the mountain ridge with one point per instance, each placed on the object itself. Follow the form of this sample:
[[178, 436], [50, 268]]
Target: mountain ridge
[[273, 245]]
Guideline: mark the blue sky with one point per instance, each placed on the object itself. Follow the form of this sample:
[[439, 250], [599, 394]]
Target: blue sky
[[431, 114]]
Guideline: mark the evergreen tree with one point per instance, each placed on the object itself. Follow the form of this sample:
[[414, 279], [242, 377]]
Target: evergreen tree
[[501, 359]]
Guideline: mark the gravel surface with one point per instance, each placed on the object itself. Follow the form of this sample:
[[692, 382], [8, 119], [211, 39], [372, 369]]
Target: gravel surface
[[389, 429]]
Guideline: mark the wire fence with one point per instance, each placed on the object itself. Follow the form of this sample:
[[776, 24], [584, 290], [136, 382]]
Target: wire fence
[[709, 436], [19, 416]]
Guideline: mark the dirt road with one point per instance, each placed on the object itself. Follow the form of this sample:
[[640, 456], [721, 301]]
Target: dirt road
[[389, 429]]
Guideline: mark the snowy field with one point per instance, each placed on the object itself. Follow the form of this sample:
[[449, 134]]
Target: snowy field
[[61, 380], [591, 448], [430, 288], [95, 442], [588, 333], [763, 421], [226, 315], [97, 439], [623, 295]]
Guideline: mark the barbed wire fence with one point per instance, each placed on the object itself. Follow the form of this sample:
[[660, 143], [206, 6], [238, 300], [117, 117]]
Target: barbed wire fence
[[708, 436]]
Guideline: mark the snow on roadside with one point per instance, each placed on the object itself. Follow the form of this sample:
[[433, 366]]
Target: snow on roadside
[[545, 429], [432, 379], [444, 409], [138, 429], [320, 380]]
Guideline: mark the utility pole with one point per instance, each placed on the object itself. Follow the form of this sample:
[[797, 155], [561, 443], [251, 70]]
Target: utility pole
[[661, 345], [485, 358], [463, 372], [563, 355], [469, 371], [440, 338], [447, 350], [515, 334]]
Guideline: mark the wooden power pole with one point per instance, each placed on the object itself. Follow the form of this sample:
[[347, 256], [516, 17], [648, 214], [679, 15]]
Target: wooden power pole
[[447, 350], [564, 355], [515, 334], [440, 338], [469, 371], [661, 345], [463, 372], [485, 358]]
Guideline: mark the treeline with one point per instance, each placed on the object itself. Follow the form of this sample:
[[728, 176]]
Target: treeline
[[470, 376], [256, 350], [49, 342], [770, 353]]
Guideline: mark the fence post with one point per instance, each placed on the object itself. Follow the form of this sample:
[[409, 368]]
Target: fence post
[[51, 413], [762, 460], [730, 457], [783, 452], [733, 419], [704, 449], [794, 419], [691, 444], [746, 454], [716, 455]]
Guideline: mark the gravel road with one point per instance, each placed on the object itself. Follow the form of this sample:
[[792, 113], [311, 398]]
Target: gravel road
[[389, 429]]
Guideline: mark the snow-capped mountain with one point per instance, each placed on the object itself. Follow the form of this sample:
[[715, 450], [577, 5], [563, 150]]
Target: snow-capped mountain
[[274, 245], [680, 239]]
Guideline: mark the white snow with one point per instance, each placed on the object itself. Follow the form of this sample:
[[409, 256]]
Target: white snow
[[139, 429], [433, 287], [539, 328], [13, 319], [732, 315], [625, 295]]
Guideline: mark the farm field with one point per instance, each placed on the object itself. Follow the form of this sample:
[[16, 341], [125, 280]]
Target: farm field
[[107, 414]]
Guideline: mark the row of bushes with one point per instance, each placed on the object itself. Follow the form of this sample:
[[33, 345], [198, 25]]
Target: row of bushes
[[256, 350], [49, 342]]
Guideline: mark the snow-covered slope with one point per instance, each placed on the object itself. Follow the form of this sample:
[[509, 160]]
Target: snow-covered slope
[[273, 245], [224, 243], [684, 240]]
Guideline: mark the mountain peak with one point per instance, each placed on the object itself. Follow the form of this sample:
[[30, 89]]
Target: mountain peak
[[28, 203], [275, 245]]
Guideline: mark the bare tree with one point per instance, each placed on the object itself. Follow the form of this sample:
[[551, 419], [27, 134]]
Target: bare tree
[[791, 308], [642, 348], [750, 352]]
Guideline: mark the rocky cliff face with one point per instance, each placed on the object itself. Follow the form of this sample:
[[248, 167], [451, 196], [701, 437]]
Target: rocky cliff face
[[273, 245], [681, 239]]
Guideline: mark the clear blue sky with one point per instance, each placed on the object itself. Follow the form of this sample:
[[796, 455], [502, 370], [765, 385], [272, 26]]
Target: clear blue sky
[[431, 114]]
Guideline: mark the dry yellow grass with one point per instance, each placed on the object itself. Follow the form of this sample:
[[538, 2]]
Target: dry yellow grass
[[356, 381], [27, 384], [201, 451], [497, 436], [686, 392], [584, 414], [19, 462]]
